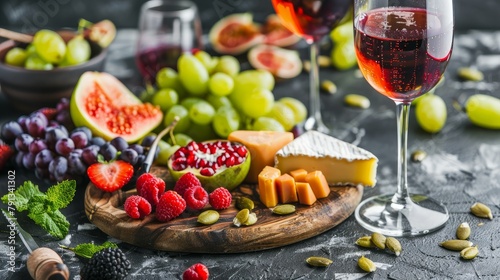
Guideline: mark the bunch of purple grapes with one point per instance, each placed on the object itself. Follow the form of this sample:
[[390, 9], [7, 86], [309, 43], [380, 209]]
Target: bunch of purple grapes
[[47, 141]]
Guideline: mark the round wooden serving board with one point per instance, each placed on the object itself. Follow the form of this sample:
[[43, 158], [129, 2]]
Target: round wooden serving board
[[184, 234]]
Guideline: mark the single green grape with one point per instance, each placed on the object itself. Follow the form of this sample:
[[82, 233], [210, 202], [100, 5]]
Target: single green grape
[[343, 55], [34, 62], [218, 101], [201, 132], [169, 78], [182, 113], [221, 84], [431, 113], [342, 33], [193, 75], [207, 60], [201, 113], [257, 103], [163, 153], [298, 108], [283, 114], [171, 150], [267, 124], [226, 120], [248, 81], [49, 45], [30, 49], [229, 65], [483, 110], [78, 51], [181, 139], [190, 101], [16, 57], [165, 98]]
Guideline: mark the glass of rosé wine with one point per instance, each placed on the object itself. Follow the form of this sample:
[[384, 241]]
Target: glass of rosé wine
[[403, 48], [166, 30], [312, 20]]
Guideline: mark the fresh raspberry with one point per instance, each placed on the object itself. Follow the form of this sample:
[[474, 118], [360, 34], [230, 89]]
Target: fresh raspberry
[[197, 271], [152, 189], [220, 198], [137, 207], [170, 206], [185, 182], [142, 179], [196, 198]]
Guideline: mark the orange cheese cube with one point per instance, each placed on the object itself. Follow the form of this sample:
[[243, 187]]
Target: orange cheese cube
[[267, 187], [318, 184], [305, 193], [285, 186], [299, 174], [262, 145]]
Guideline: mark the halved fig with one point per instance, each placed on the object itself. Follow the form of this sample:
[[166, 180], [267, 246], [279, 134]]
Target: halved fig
[[103, 33], [277, 34], [282, 63], [219, 163], [235, 34]]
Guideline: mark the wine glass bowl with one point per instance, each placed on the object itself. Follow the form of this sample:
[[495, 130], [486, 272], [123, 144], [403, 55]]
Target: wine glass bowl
[[312, 20], [403, 49]]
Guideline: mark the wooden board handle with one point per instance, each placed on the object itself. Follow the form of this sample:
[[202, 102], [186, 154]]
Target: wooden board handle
[[45, 263]]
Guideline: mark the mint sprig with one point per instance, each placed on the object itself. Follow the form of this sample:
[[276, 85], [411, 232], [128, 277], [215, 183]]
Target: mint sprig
[[43, 208], [87, 250]]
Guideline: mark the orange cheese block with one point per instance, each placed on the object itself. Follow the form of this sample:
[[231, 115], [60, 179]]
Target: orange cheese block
[[299, 175], [318, 184], [285, 186], [262, 145], [305, 193], [267, 187]]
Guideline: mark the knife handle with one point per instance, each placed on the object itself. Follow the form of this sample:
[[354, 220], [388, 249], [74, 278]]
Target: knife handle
[[45, 264]]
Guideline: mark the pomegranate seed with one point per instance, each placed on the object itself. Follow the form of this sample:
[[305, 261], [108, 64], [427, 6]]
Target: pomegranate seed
[[220, 160], [240, 160], [213, 149], [192, 146], [179, 164], [218, 144], [207, 171], [202, 163], [227, 154], [190, 159], [242, 151], [230, 161], [214, 165], [203, 148]]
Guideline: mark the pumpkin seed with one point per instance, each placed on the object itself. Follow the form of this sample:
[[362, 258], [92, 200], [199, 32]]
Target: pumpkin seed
[[455, 244], [324, 61], [208, 217], [463, 231], [365, 241], [306, 64], [319, 261], [244, 203], [284, 209], [469, 253], [329, 86], [356, 100], [393, 245], [481, 210], [366, 264], [252, 219], [241, 217], [418, 156], [470, 74], [378, 240]]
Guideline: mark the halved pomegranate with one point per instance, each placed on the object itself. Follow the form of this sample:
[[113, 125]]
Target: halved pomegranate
[[219, 163], [282, 63], [277, 34]]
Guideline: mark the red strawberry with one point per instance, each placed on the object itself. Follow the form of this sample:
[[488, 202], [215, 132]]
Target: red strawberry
[[110, 176], [5, 153]]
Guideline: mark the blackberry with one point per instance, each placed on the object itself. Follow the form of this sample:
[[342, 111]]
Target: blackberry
[[107, 264]]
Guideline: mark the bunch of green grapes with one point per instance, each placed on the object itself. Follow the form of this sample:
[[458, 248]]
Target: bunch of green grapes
[[213, 98], [49, 50], [342, 55]]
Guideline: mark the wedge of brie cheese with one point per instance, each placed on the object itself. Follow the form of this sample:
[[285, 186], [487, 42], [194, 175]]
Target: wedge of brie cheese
[[342, 163]]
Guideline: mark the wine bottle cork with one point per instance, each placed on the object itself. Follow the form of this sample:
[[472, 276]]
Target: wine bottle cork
[[45, 263]]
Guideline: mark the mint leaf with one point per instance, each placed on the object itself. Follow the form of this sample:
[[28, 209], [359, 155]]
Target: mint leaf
[[24, 194], [54, 222], [62, 193], [87, 250]]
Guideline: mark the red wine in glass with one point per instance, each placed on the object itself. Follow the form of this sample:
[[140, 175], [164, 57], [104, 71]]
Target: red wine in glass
[[150, 61], [402, 52]]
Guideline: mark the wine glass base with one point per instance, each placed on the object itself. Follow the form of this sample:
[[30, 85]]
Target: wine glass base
[[418, 215], [316, 124]]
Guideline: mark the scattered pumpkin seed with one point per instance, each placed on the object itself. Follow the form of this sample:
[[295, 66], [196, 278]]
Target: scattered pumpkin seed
[[378, 240], [366, 264], [319, 261], [481, 210], [208, 217], [365, 241], [357, 100], [470, 74], [463, 231], [244, 203], [418, 156], [329, 86], [455, 244], [284, 209], [324, 61], [241, 217], [306, 64], [469, 253], [252, 219], [393, 245]]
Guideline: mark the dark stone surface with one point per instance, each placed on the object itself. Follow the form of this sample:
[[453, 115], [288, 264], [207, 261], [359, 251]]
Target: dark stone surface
[[462, 167]]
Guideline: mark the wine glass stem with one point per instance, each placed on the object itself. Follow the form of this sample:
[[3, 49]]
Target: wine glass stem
[[403, 112], [314, 84]]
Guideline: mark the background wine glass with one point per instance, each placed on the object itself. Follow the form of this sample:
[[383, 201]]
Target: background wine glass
[[403, 48], [166, 30], [312, 19]]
